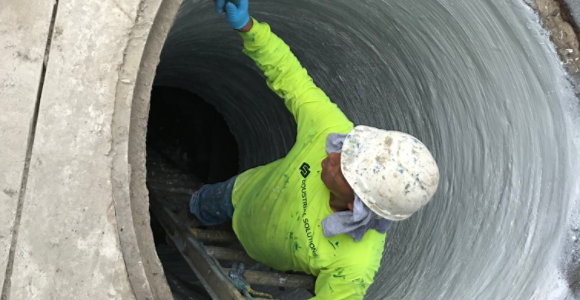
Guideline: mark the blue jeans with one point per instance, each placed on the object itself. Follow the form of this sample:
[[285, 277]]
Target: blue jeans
[[212, 203]]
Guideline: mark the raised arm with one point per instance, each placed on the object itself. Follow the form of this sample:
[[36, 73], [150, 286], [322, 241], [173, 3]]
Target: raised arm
[[311, 107], [285, 75]]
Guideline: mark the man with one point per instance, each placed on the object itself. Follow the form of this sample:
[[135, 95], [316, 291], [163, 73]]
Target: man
[[324, 208]]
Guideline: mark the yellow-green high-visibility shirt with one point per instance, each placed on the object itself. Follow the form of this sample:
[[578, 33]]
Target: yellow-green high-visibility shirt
[[279, 207]]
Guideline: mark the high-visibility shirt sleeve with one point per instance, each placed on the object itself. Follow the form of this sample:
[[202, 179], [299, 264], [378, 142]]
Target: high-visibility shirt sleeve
[[310, 106]]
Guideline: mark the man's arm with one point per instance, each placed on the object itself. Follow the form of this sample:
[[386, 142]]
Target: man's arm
[[311, 107], [285, 75]]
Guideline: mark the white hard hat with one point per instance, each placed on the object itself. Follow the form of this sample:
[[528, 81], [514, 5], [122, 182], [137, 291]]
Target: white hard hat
[[392, 172]]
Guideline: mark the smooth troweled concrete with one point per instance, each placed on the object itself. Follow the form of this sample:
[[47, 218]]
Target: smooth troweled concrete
[[478, 81]]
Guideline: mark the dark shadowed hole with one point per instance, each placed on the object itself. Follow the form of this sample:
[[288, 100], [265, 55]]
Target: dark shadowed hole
[[188, 144], [191, 134]]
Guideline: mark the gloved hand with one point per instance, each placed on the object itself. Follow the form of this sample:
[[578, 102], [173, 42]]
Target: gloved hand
[[238, 15]]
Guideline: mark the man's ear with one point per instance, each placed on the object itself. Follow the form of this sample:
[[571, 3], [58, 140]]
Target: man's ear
[[350, 205]]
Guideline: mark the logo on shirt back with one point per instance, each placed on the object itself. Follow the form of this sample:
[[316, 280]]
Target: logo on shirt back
[[305, 170]]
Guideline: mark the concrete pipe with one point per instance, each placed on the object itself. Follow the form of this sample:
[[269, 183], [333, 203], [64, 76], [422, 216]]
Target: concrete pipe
[[478, 81]]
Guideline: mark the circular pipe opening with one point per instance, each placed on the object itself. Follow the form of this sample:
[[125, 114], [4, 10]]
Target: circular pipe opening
[[453, 75]]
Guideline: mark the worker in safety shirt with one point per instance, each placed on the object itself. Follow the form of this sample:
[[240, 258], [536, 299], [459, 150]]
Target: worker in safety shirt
[[323, 209]]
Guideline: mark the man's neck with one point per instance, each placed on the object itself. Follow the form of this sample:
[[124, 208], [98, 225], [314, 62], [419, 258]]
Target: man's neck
[[336, 204]]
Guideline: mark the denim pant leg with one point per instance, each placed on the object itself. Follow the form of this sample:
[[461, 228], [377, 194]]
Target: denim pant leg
[[212, 203]]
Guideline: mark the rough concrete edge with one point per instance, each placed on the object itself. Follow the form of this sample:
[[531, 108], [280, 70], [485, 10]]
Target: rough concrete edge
[[120, 171], [137, 148], [564, 32], [153, 21]]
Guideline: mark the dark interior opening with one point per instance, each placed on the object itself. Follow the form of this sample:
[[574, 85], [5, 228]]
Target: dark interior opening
[[191, 134], [188, 144]]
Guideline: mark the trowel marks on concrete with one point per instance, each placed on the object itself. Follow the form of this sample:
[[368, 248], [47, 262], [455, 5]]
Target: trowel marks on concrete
[[478, 81]]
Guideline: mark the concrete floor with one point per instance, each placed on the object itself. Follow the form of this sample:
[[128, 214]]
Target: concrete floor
[[66, 196], [74, 95]]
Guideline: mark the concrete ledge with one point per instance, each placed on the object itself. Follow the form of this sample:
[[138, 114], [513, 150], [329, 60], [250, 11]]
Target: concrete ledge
[[84, 230], [129, 137], [23, 38]]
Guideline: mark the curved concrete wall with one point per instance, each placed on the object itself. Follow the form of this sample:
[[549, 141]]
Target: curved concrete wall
[[478, 81]]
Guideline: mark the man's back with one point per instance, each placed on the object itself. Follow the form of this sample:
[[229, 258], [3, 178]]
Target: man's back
[[279, 207]]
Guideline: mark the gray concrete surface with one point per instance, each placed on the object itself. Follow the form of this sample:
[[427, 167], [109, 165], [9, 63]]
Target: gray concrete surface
[[85, 194], [23, 34], [67, 244]]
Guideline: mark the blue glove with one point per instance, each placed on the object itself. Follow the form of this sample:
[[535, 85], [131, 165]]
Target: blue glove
[[238, 15]]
